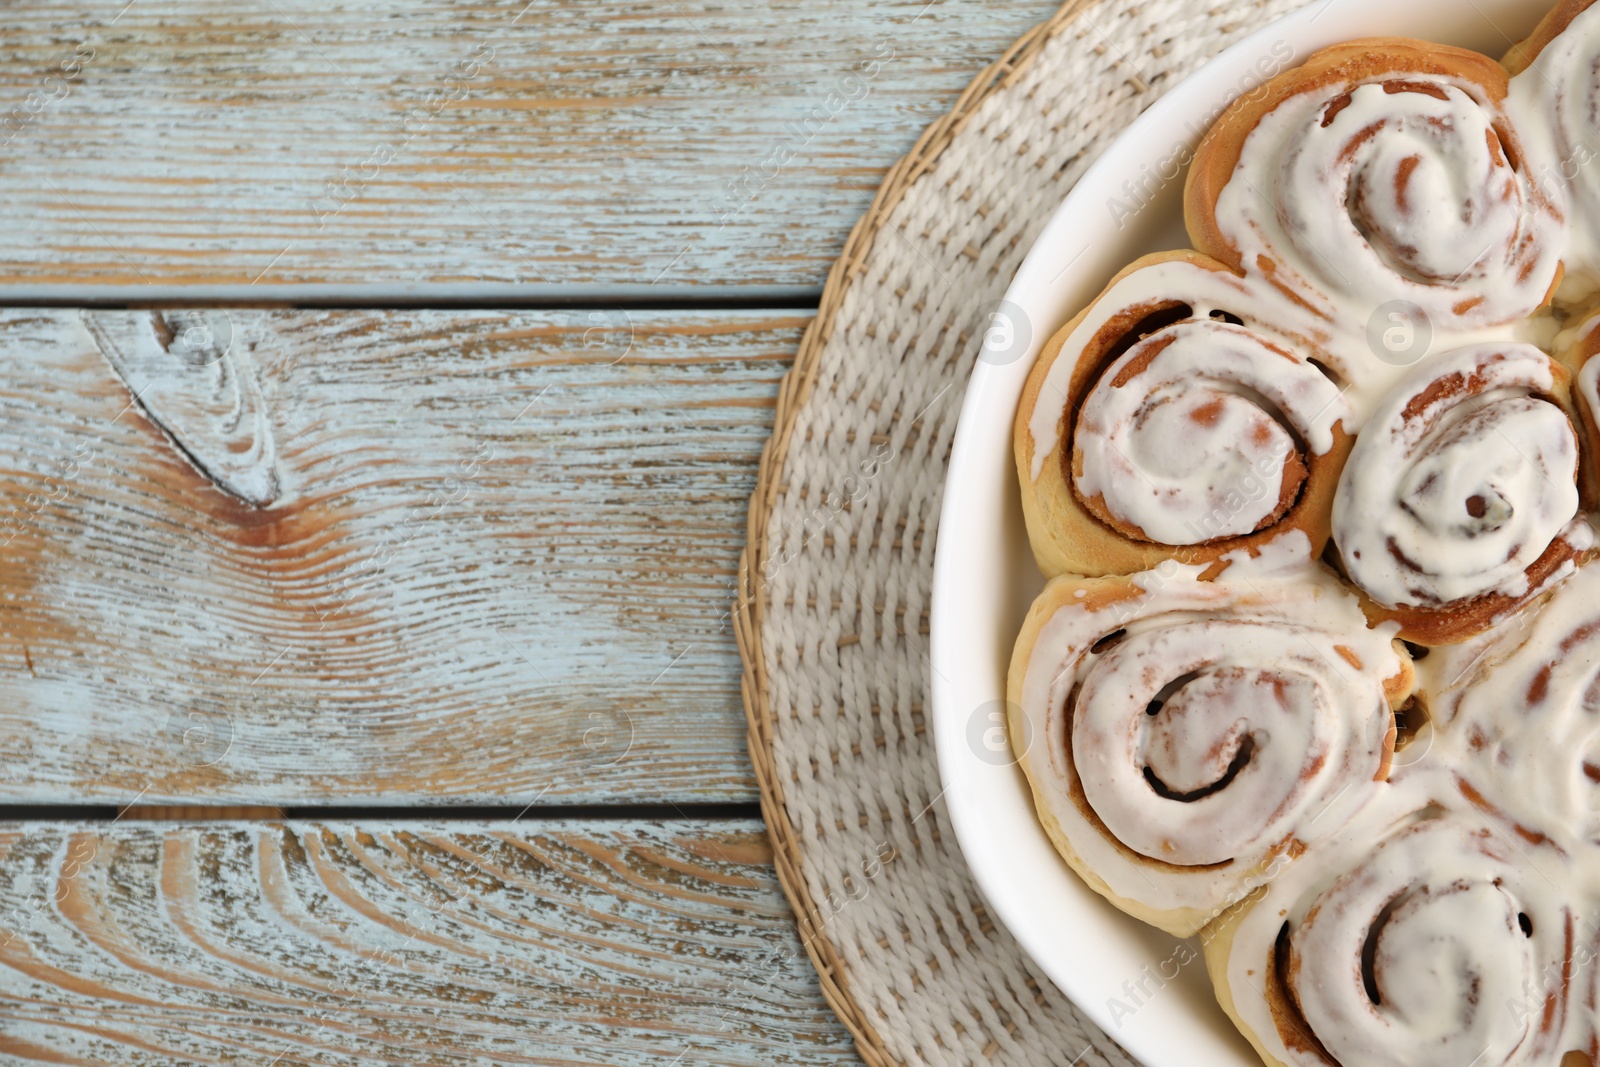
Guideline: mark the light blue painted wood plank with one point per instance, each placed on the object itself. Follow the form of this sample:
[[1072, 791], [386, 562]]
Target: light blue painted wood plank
[[572, 943], [495, 566], [386, 144]]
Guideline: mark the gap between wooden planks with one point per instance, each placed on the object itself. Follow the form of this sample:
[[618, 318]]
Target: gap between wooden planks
[[399, 557]]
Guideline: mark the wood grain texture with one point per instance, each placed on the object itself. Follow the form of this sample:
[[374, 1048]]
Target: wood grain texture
[[496, 566], [296, 944], [389, 144]]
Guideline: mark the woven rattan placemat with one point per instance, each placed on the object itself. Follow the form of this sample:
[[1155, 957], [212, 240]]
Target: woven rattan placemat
[[832, 617]]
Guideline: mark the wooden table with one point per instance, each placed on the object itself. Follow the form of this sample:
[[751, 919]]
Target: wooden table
[[385, 384]]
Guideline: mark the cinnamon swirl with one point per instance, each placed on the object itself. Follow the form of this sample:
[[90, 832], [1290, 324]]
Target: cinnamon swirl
[[1380, 170], [1168, 420], [1437, 944], [1460, 498], [1185, 734], [1523, 705]]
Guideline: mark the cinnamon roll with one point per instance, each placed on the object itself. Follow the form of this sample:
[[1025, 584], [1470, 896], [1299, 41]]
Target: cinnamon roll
[[1460, 497], [1555, 100], [1380, 171], [1167, 420], [1576, 348], [1520, 713], [1184, 735], [1444, 943]]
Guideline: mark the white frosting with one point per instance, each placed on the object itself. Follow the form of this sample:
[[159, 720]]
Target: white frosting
[[1524, 704], [1275, 654], [1193, 446], [1556, 106], [1460, 931], [1443, 904], [1588, 381], [1493, 814], [1405, 195], [1256, 707], [1462, 478], [1205, 291]]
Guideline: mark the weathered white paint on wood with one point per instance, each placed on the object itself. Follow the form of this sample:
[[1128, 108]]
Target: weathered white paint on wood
[[190, 379], [392, 144], [495, 567], [568, 943]]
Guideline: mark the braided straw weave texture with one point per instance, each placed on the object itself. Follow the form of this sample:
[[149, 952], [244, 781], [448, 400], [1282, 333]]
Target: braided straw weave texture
[[832, 616]]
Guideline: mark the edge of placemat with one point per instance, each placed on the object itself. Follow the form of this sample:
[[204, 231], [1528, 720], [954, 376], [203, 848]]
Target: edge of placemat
[[749, 607]]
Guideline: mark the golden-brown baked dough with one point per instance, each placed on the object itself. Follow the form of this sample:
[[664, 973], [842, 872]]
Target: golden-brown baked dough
[[1522, 54], [1259, 474]]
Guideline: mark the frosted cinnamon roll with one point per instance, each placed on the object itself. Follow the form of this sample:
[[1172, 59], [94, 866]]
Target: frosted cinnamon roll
[[1181, 736], [1555, 101], [1576, 348], [1438, 946], [1521, 715], [1380, 171], [1168, 421], [1460, 498]]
